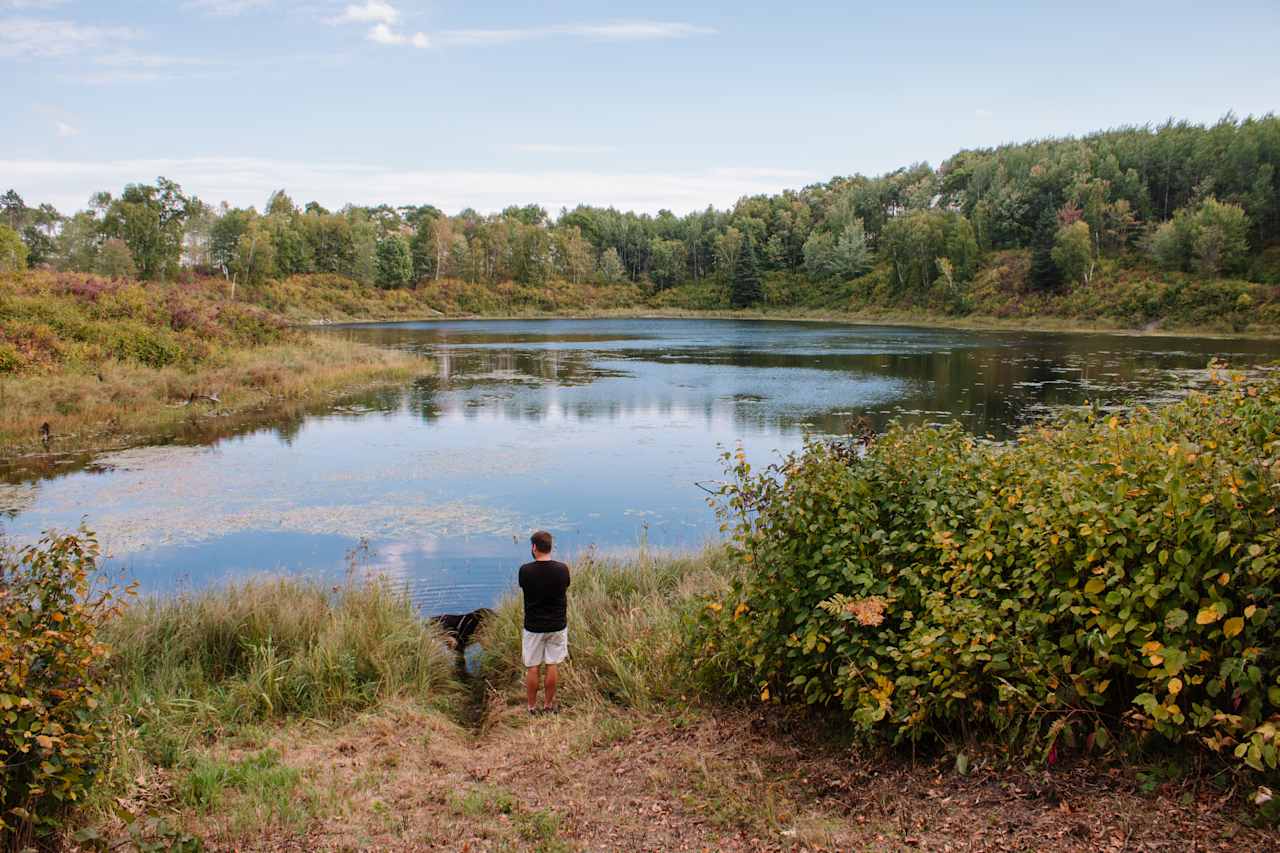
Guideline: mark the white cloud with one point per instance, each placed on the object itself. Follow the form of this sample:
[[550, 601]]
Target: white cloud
[[383, 34], [32, 38], [98, 54], [31, 4], [371, 11], [383, 17], [65, 130], [981, 113], [615, 31], [244, 181], [226, 7]]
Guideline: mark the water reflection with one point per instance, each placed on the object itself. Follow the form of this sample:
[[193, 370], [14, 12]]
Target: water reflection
[[788, 375], [598, 430]]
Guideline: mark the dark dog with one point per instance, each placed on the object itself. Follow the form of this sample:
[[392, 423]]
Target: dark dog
[[461, 627]]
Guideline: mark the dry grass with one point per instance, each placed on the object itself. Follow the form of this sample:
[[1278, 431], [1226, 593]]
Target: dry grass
[[124, 403], [399, 778], [626, 619]]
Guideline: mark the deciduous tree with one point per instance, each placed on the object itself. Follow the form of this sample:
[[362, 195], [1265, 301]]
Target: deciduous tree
[[114, 260], [1073, 252], [13, 252], [611, 268]]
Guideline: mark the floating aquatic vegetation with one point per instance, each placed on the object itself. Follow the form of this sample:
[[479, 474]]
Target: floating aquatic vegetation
[[123, 534], [17, 497]]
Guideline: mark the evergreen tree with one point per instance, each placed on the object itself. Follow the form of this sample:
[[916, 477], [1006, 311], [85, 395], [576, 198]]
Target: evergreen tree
[[746, 290], [394, 262], [1045, 274]]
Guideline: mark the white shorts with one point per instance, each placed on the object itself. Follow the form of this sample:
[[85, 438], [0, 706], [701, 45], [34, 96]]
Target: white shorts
[[551, 647]]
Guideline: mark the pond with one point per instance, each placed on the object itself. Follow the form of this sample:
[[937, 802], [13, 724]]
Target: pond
[[603, 431]]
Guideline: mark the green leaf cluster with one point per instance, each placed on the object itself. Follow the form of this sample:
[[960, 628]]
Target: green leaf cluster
[[52, 727], [1099, 576]]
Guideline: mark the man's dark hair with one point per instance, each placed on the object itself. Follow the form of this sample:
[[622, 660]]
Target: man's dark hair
[[541, 542]]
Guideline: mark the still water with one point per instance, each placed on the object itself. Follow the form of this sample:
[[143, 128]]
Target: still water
[[598, 430]]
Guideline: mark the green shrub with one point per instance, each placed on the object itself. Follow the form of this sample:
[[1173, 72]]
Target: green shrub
[[11, 361], [252, 326], [1093, 577], [52, 727], [145, 345], [705, 295]]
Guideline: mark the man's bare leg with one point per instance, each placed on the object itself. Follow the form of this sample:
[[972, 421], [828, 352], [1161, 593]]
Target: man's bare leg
[[551, 685], [531, 686]]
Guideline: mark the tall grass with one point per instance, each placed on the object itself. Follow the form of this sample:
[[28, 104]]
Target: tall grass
[[192, 666], [626, 618]]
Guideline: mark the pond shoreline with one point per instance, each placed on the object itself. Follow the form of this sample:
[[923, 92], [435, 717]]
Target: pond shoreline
[[314, 763], [124, 406], [903, 320]]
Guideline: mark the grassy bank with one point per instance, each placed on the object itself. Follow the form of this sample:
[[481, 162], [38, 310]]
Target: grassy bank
[[281, 715], [335, 298], [110, 361]]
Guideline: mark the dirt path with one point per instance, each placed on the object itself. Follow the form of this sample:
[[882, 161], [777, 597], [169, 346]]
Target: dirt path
[[402, 779]]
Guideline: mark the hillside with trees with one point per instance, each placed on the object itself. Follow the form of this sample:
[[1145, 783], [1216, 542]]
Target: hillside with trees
[[1178, 224]]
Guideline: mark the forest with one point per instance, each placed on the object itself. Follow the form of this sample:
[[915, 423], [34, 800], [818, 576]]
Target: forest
[[1202, 201]]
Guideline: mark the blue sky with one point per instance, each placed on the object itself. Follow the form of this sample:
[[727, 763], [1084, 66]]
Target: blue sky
[[643, 106]]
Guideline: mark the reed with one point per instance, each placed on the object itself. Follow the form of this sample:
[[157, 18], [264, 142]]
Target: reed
[[194, 666]]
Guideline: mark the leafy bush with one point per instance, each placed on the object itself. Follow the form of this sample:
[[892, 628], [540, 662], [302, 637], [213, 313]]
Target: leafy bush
[[1102, 575], [145, 345], [11, 361], [52, 728]]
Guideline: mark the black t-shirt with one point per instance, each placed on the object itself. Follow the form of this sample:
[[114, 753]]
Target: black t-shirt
[[544, 583]]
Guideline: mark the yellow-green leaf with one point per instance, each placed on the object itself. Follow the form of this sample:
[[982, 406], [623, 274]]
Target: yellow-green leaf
[[1233, 626], [1095, 586]]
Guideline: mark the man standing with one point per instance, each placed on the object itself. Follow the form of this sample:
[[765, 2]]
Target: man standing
[[544, 583]]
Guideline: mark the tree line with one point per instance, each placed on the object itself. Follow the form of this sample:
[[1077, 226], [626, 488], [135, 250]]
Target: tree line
[[1197, 198]]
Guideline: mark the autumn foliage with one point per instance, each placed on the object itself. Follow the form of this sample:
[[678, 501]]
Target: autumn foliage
[[52, 728]]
